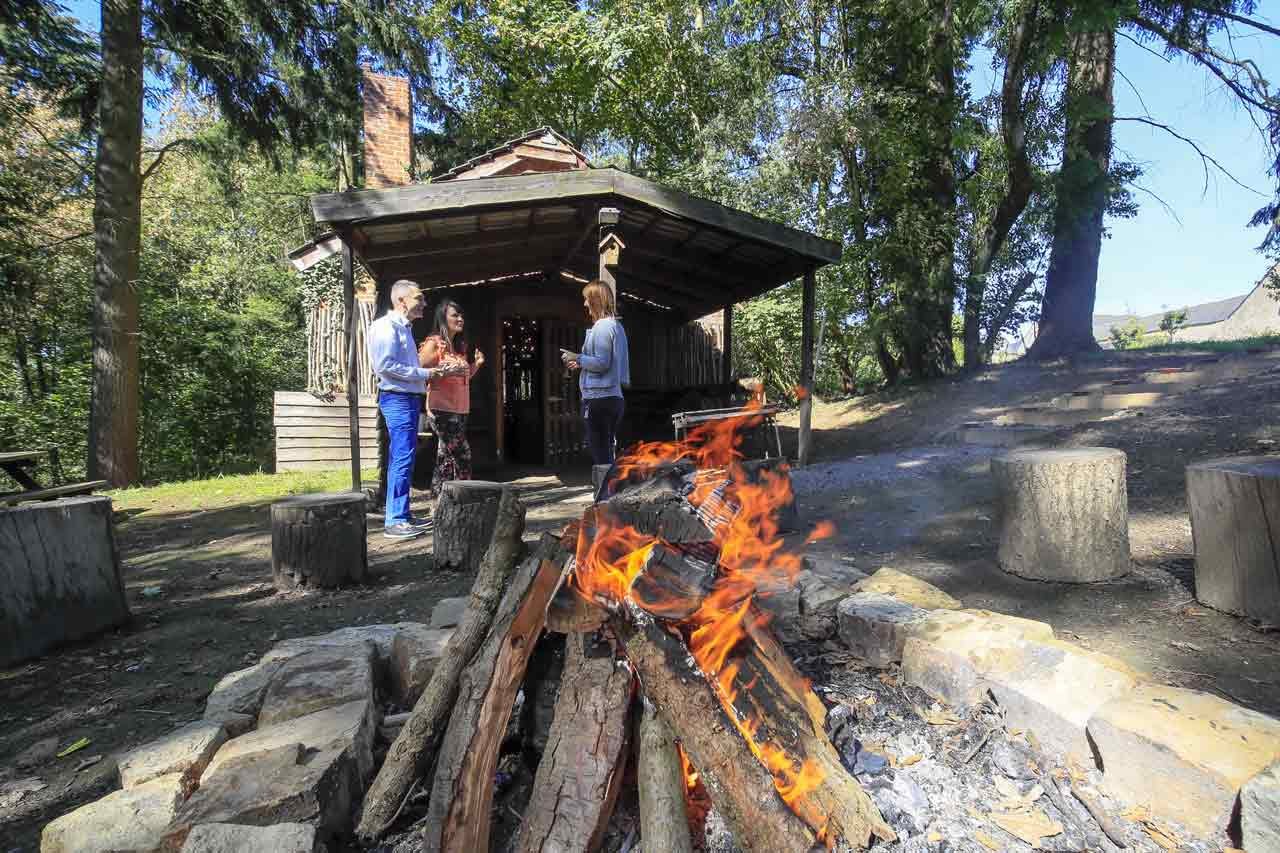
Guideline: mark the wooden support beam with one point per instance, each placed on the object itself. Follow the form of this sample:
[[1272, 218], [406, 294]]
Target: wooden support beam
[[807, 308], [349, 338], [726, 355]]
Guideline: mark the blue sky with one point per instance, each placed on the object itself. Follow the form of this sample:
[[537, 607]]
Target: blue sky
[[1198, 249]]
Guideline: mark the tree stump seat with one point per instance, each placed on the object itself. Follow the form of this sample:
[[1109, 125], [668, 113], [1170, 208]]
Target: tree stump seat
[[1064, 514], [319, 540], [464, 520], [1235, 525]]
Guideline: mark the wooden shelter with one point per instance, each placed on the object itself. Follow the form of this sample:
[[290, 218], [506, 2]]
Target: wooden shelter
[[514, 234]]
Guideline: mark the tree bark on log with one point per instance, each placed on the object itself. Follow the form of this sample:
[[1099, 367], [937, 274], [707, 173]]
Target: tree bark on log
[[458, 818], [582, 767], [1235, 524], [413, 752], [319, 540], [1064, 514], [664, 824], [464, 519], [740, 787]]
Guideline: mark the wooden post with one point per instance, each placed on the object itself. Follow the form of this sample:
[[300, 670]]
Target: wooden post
[[353, 381], [806, 364], [726, 353], [608, 218]]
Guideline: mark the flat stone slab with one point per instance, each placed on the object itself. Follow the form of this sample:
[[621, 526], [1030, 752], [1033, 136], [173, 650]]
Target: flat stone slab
[[948, 653], [875, 627], [1260, 811], [235, 838], [288, 784], [1052, 689], [818, 601], [61, 575], [186, 752], [1184, 754], [241, 692], [907, 588], [448, 612], [351, 727], [319, 679], [414, 656], [133, 819]]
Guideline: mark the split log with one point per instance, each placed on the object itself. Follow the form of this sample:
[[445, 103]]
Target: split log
[[657, 507], [319, 540], [458, 815], [413, 752], [672, 585], [573, 613], [664, 824], [464, 519], [582, 768], [741, 788]]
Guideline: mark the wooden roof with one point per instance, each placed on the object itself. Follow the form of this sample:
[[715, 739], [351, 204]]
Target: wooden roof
[[684, 253], [539, 150]]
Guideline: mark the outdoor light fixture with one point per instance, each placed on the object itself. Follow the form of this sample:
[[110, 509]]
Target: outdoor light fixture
[[609, 215]]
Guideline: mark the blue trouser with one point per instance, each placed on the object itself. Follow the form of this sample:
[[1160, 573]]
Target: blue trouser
[[400, 412]]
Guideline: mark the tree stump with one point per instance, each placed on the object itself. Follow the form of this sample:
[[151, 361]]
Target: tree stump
[[1235, 524], [1064, 514], [464, 519], [319, 540]]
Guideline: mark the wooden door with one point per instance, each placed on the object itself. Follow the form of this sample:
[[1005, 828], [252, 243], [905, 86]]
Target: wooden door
[[562, 428]]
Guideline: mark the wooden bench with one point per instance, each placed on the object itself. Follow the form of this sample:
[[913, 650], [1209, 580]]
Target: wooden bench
[[63, 491], [15, 464]]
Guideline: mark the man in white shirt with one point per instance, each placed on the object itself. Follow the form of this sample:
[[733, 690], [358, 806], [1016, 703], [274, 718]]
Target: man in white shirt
[[402, 385]]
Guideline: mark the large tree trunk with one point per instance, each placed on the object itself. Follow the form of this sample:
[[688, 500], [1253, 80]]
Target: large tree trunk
[[1019, 183], [117, 234], [1066, 317], [930, 305]]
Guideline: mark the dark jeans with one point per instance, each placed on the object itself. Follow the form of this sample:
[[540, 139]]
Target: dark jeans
[[603, 416], [400, 411]]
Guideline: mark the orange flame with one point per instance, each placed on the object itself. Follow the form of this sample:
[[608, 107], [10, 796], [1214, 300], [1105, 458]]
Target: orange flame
[[752, 558]]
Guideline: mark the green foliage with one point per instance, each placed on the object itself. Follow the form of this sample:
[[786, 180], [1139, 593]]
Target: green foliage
[[221, 319], [1172, 321], [1128, 336]]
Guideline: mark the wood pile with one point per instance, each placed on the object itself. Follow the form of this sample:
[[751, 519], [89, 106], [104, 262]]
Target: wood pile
[[651, 596]]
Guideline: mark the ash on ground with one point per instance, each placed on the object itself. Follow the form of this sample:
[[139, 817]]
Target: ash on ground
[[947, 779]]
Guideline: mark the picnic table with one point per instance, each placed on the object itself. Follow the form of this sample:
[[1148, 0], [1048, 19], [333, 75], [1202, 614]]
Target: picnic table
[[16, 465]]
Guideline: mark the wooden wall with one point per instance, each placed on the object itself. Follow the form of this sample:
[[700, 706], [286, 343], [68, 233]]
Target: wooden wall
[[326, 349], [312, 432]]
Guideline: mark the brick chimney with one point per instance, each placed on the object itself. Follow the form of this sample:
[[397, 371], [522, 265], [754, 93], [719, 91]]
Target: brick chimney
[[388, 131]]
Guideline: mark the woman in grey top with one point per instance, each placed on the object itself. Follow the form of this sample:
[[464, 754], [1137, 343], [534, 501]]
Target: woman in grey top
[[605, 365]]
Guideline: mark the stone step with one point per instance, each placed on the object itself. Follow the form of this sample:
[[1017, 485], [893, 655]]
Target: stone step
[[987, 434], [1107, 402], [1047, 417]]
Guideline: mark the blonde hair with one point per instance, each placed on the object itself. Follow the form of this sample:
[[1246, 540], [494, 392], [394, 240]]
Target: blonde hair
[[599, 299]]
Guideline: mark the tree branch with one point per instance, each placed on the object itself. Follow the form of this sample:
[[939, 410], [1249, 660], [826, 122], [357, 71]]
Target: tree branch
[[1203, 54], [1205, 158], [1239, 19], [160, 152]]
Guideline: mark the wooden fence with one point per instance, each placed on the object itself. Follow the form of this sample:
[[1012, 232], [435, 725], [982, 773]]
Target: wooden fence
[[313, 432], [326, 352]]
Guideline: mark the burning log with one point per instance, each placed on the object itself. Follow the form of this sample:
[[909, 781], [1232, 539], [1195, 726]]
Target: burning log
[[740, 786], [458, 815], [414, 750], [672, 585], [661, 782], [582, 767], [656, 506]]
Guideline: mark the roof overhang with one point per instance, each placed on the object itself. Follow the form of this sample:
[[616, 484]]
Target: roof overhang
[[687, 253]]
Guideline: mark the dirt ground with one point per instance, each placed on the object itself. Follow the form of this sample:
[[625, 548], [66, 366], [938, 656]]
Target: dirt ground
[[896, 495]]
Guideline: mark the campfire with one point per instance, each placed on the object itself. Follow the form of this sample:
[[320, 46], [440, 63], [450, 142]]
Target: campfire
[[664, 572]]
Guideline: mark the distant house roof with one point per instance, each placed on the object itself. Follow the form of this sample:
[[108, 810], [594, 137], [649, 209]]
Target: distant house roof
[[1197, 315], [542, 149]]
